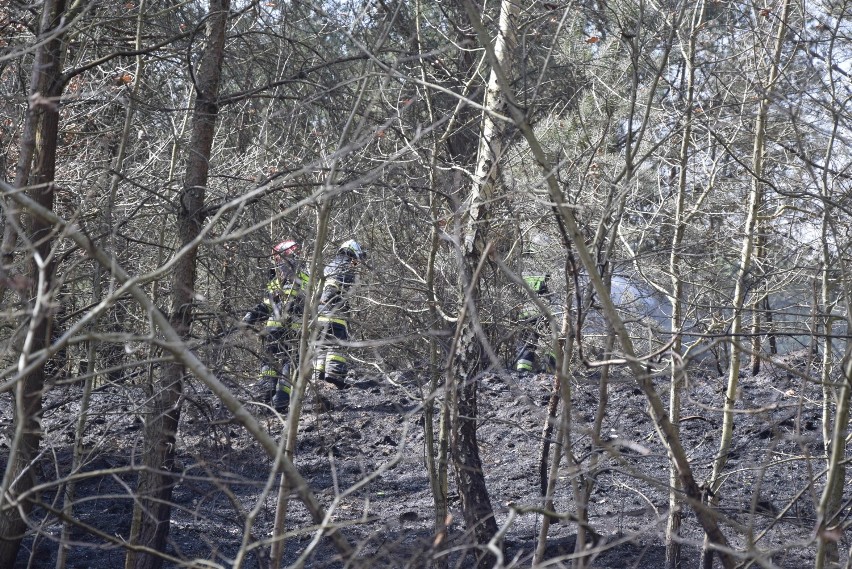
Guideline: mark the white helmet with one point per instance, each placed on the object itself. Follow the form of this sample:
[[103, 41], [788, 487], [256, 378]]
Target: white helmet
[[352, 249]]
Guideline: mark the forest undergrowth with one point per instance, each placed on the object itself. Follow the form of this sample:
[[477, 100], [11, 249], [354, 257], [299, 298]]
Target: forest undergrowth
[[374, 430]]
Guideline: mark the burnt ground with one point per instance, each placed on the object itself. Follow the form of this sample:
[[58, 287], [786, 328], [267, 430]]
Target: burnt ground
[[374, 429]]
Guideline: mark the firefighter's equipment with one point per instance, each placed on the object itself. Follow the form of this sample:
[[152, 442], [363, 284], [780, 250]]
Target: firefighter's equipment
[[352, 249], [334, 312], [532, 326], [282, 308]]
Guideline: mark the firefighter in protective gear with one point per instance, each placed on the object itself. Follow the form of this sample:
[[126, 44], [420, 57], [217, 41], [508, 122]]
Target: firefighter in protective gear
[[533, 325], [333, 314], [282, 310]]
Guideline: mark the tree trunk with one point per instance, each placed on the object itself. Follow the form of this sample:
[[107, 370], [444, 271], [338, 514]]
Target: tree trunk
[[465, 368], [303, 374], [835, 440], [437, 447], [470, 479], [668, 434], [152, 511], [830, 528], [824, 307], [676, 268], [36, 169], [742, 284], [760, 300], [467, 363], [174, 345]]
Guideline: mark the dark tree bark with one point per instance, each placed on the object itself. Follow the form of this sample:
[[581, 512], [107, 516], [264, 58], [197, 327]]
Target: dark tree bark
[[468, 364], [35, 171], [470, 479], [151, 516]]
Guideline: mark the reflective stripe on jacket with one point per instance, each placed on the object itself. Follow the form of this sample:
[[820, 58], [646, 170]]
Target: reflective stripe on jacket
[[285, 301]]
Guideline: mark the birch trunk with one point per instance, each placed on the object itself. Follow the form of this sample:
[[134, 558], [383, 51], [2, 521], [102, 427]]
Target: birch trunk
[[467, 363], [657, 409]]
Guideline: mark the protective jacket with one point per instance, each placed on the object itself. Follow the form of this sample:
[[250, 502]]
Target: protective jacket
[[282, 309], [339, 276], [333, 314], [283, 304]]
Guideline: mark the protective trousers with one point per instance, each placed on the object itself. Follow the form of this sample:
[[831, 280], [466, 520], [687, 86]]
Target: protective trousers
[[528, 345], [330, 364], [281, 357]]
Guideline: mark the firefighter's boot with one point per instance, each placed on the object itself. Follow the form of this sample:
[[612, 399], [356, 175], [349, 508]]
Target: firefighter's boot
[[264, 389], [336, 367], [281, 400]]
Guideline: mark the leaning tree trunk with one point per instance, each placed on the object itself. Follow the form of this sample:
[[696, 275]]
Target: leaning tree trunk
[[675, 515], [152, 509], [36, 169]]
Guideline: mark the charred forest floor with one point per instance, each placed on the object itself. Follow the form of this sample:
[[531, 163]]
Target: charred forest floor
[[375, 430]]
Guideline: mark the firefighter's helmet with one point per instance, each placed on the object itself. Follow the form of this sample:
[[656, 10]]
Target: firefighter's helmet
[[286, 250], [353, 249]]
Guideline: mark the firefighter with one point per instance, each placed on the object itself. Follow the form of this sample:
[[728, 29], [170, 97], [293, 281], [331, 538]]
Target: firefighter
[[334, 311], [533, 325], [282, 309]]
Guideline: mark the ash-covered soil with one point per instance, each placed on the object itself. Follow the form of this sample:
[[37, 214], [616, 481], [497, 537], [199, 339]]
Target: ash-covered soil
[[373, 431]]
